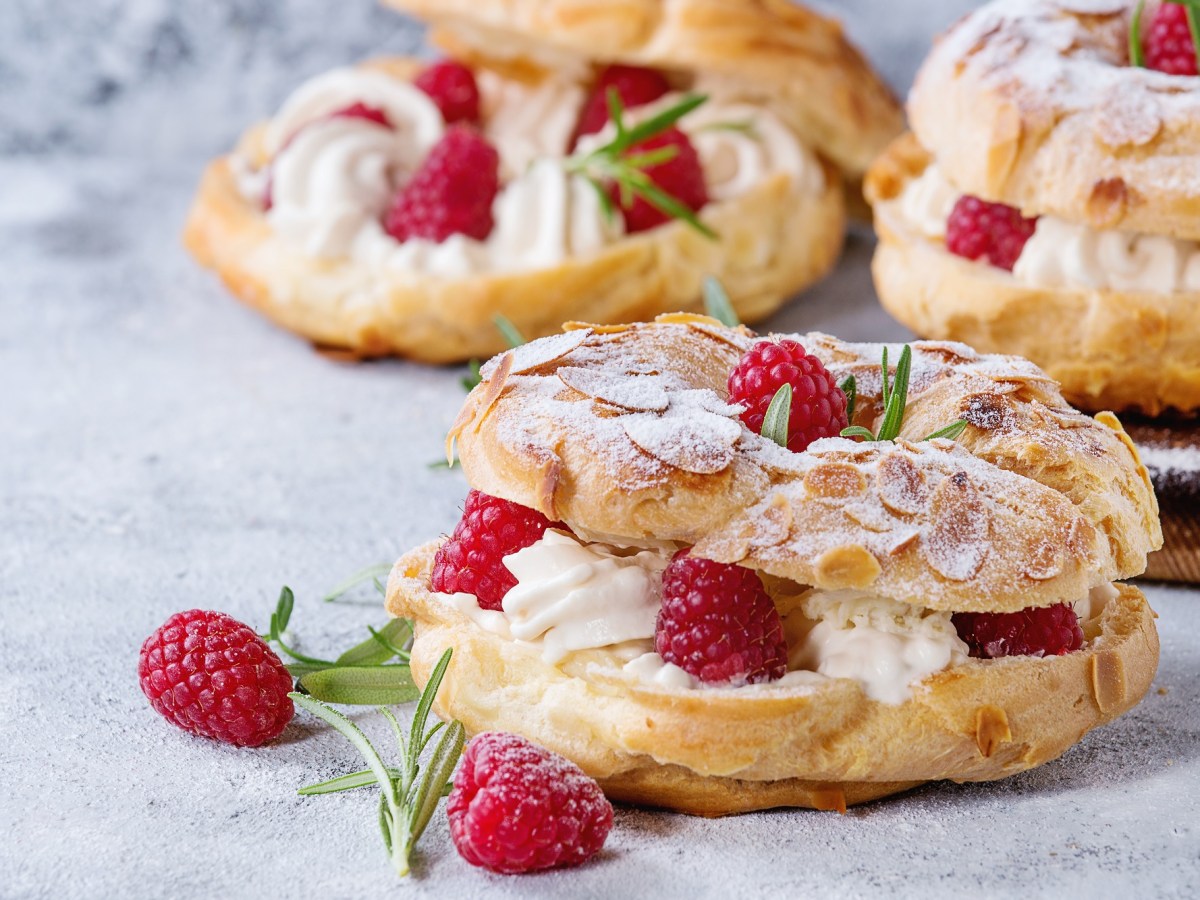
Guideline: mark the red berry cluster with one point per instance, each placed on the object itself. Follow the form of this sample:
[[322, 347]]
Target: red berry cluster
[[1036, 631], [517, 807], [213, 676], [1168, 42], [818, 405], [992, 232], [472, 559]]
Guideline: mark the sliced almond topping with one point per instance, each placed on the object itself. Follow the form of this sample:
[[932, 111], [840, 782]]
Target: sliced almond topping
[[830, 798], [738, 338], [548, 485], [846, 566], [697, 443], [956, 544], [869, 516], [905, 540], [640, 393], [1046, 562], [835, 481], [991, 729], [1107, 675], [538, 353], [901, 485], [495, 387]]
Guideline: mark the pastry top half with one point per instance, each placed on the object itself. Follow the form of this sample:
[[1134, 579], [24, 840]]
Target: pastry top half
[[1034, 103], [793, 59], [624, 434]]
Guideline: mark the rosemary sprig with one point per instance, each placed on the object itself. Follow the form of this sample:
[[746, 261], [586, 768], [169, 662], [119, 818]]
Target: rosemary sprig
[[894, 395], [363, 674], [408, 794], [717, 303], [614, 164], [1137, 55], [779, 412]]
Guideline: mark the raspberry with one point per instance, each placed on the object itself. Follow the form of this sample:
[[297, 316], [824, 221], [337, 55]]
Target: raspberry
[[517, 807], [451, 193], [681, 176], [635, 87], [353, 111], [451, 86], [1168, 42], [718, 624], [472, 559], [818, 404], [213, 676], [1035, 631], [978, 229]]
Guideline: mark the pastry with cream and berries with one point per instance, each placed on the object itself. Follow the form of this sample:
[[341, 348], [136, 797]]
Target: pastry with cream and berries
[[723, 572], [1046, 201], [564, 161]]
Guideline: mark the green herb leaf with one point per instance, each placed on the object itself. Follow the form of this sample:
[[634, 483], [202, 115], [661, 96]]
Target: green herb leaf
[[283, 611], [380, 646], [472, 379], [950, 432], [779, 412], [717, 303], [857, 431], [356, 579], [663, 120], [361, 685], [849, 387], [1136, 55], [886, 374], [1194, 28], [348, 782], [512, 335], [893, 415], [408, 795]]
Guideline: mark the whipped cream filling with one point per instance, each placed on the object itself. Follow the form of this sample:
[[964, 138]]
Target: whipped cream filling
[[884, 645], [571, 596], [1067, 254], [597, 605], [331, 179]]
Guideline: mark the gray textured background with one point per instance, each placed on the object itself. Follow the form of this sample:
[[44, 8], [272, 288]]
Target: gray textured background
[[164, 448]]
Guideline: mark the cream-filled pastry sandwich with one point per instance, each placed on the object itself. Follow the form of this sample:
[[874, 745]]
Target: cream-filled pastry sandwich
[[400, 207], [674, 570], [1047, 202]]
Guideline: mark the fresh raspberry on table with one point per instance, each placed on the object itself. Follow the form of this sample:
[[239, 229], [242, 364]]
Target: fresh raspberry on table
[[517, 807], [718, 623], [1036, 631], [213, 676], [451, 193], [681, 176], [472, 559], [818, 404], [1168, 41], [452, 87], [635, 87], [993, 232]]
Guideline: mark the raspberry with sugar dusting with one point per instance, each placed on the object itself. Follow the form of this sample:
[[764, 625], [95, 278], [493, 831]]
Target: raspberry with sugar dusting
[[818, 404], [718, 624], [213, 676], [451, 193], [452, 88], [517, 807], [1168, 42], [1036, 631], [992, 232], [472, 559]]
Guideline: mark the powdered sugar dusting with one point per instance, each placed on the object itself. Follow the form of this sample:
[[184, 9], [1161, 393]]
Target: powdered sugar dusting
[[539, 353], [644, 393]]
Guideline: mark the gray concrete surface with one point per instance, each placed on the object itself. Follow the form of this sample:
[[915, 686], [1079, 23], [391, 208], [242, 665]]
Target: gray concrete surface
[[164, 448]]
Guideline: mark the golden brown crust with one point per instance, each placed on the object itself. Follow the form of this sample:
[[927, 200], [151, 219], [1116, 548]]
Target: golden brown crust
[[794, 59], [717, 751], [1109, 349], [1037, 503], [772, 245], [1032, 103]]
